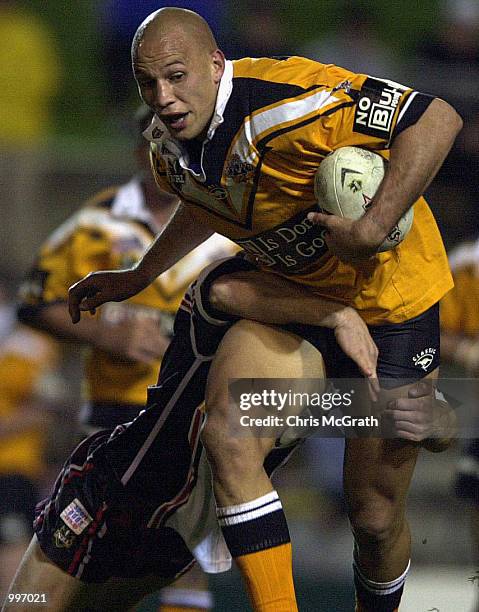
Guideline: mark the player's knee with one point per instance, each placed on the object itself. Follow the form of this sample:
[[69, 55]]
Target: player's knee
[[376, 523], [226, 452], [222, 293], [221, 447]]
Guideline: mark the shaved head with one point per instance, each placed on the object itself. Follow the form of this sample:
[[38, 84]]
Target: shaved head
[[178, 69], [169, 20]]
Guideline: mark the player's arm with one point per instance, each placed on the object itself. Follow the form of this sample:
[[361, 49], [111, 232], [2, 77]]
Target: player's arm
[[134, 339], [268, 298], [272, 299], [181, 234], [418, 147], [417, 153]]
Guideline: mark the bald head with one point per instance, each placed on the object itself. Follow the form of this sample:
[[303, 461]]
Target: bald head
[[169, 20], [178, 68]]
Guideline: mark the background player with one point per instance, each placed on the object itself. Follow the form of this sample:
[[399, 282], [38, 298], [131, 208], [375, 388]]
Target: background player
[[28, 362], [247, 161], [124, 344], [460, 346]]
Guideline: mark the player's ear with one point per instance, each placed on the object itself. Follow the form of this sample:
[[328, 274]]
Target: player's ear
[[218, 65]]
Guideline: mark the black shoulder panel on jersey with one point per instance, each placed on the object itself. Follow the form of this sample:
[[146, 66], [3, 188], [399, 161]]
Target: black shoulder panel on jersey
[[416, 107], [248, 96]]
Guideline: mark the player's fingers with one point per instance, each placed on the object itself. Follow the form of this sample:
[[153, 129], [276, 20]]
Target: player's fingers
[[74, 299], [416, 404], [409, 416], [421, 388], [91, 303], [374, 386], [323, 219]]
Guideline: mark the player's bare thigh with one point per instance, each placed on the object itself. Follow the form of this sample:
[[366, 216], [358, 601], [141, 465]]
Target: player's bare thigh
[[254, 350], [63, 593]]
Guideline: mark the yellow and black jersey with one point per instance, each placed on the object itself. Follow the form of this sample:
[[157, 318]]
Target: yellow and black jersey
[[275, 121], [460, 307], [112, 231]]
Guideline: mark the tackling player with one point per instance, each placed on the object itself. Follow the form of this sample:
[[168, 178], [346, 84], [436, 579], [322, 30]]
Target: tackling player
[[121, 348], [239, 143]]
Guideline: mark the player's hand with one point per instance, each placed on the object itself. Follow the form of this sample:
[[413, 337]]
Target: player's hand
[[137, 340], [422, 417], [100, 287], [351, 241], [352, 335]]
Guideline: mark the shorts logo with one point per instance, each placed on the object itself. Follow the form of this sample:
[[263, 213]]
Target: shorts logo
[[375, 108], [424, 358], [76, 517], [63, 537]]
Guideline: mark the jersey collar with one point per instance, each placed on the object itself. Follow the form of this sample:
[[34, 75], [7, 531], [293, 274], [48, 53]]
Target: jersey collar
[[129, 203]]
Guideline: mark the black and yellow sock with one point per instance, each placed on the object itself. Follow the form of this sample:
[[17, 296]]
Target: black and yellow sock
[[374, 596], [257, 536]]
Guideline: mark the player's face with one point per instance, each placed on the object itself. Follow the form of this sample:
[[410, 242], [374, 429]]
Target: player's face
[[179, 81]]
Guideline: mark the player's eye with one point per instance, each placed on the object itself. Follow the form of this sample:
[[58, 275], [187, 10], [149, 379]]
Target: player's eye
[[176, 76]]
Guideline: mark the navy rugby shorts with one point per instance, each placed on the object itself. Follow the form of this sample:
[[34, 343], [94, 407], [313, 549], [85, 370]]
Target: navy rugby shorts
[[106, 515]]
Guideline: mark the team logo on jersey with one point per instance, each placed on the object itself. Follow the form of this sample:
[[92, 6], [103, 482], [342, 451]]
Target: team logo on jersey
[[76, 517], [424, 358], [238, 170], [175, 172], [157, 133], [219, 193], [346, 85], [63, 537], [375, 107]]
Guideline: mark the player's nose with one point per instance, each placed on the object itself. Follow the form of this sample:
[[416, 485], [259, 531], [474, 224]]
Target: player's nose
[[164, 94]]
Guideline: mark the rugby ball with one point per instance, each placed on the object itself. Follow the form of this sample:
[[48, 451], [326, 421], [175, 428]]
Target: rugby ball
[[345, 184]]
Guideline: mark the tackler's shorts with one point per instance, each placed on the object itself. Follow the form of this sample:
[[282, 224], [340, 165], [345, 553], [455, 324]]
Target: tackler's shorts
[[92, 529]]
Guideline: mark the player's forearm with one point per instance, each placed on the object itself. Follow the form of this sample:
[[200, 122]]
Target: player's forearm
[[416, 156], [182, 234], [272, 299]]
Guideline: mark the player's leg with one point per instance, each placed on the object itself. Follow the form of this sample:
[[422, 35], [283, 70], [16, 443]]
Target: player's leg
[[37, 574], [377, 474], [60, 592], [249, 510], [187, 594]]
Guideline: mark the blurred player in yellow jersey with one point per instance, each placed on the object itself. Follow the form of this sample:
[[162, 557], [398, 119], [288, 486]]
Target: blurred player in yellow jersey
[[124, 343], [239, 142], [460, 345], [27, 358]]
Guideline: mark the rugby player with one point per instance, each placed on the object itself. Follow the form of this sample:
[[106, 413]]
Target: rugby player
[[121, 349], [460, 345], [115, 526], [239, 143]]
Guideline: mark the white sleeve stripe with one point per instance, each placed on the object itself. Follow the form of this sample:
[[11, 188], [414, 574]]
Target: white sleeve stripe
[[406, 106]]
